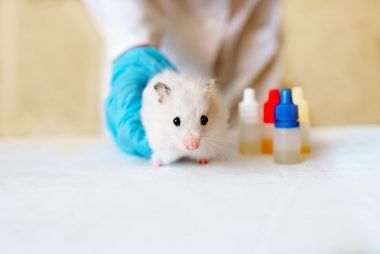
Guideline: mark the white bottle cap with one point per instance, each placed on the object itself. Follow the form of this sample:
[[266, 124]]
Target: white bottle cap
[[303, 105], [248, 107]]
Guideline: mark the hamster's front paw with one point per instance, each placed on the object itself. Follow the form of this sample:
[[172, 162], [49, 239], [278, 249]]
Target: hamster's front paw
[[161, 160], [202, 161], [156, 163]]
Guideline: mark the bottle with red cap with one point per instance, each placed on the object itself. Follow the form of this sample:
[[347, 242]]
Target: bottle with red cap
[[268, 121]]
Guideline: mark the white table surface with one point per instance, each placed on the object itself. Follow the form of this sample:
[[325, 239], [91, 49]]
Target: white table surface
[[81, 195]]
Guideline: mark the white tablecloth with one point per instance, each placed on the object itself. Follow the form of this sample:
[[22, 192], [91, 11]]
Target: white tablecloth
[[81, 195]]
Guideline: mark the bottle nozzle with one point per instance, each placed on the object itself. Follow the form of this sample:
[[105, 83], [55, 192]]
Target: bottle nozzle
[[249, 95], [297, 92], [274, 96], [286, 96]]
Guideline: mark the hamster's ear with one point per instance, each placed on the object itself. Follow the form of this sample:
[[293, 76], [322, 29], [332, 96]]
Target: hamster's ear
[[162, 90], [210, 87]]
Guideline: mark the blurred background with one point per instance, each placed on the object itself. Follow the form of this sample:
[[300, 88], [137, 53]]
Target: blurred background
[[53, 75]]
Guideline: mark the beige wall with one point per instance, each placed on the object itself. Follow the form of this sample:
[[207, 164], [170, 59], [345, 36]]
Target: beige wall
[[332, 48], [50, 53], [49, 66]]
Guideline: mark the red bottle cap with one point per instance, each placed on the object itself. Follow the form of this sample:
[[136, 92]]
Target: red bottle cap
[[270, 104]]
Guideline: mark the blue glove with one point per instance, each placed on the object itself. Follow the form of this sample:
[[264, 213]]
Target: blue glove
[[131, 72]]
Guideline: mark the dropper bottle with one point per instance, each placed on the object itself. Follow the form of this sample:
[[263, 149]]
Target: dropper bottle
[[304, 119], [287, 135], [249, 126], [268, 121]]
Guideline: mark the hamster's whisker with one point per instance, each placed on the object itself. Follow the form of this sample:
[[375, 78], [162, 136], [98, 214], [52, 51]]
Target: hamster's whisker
[[219, 149], [222, 152], [216, 132], [217, 142]]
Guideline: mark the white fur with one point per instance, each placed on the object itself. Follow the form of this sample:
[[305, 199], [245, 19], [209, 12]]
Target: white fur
[[189, 99]]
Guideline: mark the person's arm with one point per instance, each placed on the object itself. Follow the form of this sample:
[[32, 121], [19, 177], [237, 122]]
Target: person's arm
[[132, 31], [127, 24], [251, 49], [131, 72]]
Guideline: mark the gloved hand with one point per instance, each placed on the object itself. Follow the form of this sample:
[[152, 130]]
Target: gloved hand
[[131, 72]]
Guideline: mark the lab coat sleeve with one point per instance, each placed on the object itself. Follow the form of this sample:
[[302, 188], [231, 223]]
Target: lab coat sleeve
[[259, 57], [127, 24], [250, 52]]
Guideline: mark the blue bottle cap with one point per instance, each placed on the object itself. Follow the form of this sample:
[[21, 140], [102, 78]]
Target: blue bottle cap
[[286, 113]]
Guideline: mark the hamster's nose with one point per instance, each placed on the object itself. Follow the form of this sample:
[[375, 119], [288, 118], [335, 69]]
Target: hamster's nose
[[192, 144]]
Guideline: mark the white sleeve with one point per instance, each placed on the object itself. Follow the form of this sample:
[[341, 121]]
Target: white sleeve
[[250, 54], [126, 24]]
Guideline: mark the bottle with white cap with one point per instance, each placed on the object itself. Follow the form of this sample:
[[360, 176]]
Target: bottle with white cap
[[303, 117], [249, 126]]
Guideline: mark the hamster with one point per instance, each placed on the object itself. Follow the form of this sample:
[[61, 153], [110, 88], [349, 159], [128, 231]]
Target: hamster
[[183, 117]]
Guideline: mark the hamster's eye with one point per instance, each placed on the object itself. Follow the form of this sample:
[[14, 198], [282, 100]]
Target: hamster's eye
[[204, 120], [177, 121]]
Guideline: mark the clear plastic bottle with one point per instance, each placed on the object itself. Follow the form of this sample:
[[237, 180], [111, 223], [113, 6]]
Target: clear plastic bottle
[[304, 119], [287, 135], [249, 126], [268, 121]]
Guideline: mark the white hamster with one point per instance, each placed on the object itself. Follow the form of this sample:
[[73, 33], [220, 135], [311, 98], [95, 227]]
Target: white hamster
[[183, 117]]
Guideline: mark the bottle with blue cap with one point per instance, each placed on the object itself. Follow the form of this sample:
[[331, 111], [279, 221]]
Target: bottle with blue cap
[[287, 135]]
